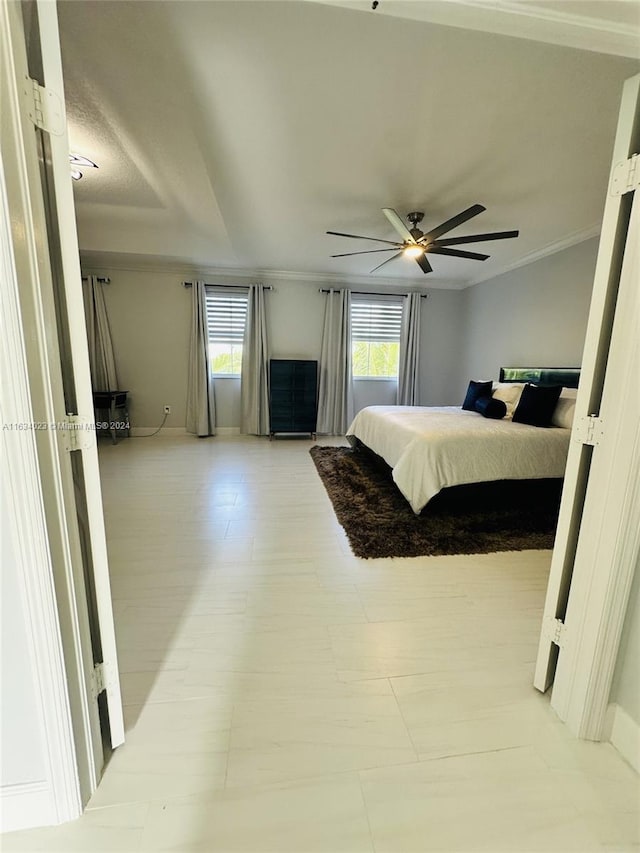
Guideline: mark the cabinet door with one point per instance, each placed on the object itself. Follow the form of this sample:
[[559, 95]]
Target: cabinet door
[[305, 395], [281, 396]]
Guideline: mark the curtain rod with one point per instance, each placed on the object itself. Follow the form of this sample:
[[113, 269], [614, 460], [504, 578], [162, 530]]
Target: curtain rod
[[370, 293], [235, 286], [103, 279]]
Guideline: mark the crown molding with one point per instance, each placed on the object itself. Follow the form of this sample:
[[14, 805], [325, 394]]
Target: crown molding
[[518, 20], [100, 262], [596, 27], [550, 249]]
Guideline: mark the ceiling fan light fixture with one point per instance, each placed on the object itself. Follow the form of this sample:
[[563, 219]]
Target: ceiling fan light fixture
[[79, 160], [413, 251], [76, 160]]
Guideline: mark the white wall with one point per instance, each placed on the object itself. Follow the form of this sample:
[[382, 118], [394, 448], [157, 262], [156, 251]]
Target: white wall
[[442, 348], [149, 315], [534, 315]]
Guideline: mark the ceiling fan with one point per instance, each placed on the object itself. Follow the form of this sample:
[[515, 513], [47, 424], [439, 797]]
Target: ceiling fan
[[417, 244]]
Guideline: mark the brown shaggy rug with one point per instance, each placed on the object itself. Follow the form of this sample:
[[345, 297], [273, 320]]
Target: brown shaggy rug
[[509, 515]]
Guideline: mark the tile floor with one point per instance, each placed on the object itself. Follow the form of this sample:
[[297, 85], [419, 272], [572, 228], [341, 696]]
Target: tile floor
[[282, 695]]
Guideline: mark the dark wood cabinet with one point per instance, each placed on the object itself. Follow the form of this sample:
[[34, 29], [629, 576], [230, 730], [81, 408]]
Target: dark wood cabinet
[[293, 389]]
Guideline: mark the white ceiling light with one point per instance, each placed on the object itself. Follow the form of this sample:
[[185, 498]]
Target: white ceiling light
[[76, 160]]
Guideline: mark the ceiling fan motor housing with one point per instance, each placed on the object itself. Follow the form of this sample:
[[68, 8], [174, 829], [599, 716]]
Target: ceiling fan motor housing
[[415, 218]]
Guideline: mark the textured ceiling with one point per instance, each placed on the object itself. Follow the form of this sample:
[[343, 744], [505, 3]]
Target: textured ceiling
[[234, 134]]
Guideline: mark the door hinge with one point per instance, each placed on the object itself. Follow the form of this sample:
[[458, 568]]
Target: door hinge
[[589, 430], [98, 680], [44, 107], [78, 433], [625, 176], [556, 631]]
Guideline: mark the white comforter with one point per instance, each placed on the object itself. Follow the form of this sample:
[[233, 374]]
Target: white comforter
[[430, 448]]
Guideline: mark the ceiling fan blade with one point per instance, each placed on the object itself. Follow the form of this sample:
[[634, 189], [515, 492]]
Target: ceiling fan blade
[[452, 223], [385, 262], [476, 238], [359, 237], [366, 252], [424, 264], [398, 224], [456, 253]]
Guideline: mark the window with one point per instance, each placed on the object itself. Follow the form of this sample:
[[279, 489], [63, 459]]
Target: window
[[226, 320], [376, 323]]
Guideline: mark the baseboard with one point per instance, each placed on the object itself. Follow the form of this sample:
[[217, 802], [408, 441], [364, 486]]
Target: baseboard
[[26, 806], [172, 432], [166, 431], [624, 734]]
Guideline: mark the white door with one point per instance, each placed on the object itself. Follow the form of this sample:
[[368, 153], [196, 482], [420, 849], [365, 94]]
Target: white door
[[76, 375], [607, 386], [609, 542], [54, 309]]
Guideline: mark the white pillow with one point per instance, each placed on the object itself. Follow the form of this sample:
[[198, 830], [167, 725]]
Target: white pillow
[[509, 393], [565, 408]]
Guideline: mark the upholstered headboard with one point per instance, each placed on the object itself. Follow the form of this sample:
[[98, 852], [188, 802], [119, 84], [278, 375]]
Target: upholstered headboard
[[568, 377]]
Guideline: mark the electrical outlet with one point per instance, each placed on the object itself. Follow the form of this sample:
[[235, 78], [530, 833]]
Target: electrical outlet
[[167, 410]]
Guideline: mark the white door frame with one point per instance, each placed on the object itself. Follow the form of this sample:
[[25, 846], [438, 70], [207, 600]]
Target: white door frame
[[591, 570], [27, 237], [56, 798]]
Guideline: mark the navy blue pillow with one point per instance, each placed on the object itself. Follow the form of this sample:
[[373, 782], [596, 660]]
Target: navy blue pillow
[[474, 392], [489, 407], [536, 405]]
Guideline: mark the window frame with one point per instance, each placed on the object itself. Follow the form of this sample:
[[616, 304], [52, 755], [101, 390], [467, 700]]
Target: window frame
[[224, 294], [378, 301]]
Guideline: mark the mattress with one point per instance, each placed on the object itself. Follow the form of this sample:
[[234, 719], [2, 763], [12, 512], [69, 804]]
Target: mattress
[[432, 448]]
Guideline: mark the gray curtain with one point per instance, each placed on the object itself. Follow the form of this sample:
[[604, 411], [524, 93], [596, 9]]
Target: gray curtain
[[255, 363], [408, 379], [335, 392], [201, 409], [101, 361]]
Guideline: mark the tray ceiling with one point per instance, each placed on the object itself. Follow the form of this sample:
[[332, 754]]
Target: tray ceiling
[[233, 135]]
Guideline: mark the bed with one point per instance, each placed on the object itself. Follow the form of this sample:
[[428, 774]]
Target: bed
[[433, 448]]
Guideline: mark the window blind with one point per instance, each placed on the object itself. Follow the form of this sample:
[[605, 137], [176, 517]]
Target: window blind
[[376, 320], [226, 317]]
